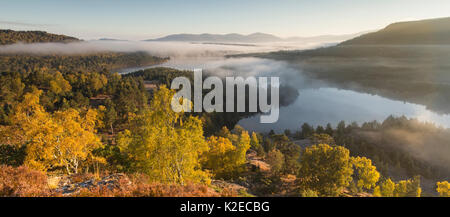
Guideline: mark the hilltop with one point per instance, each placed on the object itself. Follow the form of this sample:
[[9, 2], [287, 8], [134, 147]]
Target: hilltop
[[10, 37], [431, 31]]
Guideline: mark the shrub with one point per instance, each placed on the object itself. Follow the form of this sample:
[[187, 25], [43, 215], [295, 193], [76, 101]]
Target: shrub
[[22, 182]]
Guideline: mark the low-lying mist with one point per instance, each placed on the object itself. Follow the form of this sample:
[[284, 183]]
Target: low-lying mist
[[424, 141], [162, 49]]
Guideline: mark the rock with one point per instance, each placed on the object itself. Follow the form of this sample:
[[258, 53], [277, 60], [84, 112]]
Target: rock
[[67, 187]]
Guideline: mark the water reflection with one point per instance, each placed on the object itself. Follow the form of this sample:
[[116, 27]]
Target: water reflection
[[330, 105]]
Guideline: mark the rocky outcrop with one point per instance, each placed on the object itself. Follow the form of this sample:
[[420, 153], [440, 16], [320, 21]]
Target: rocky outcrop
[[67, 186]]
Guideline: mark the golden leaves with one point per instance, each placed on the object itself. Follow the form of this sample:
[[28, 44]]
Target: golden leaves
[[62, 139]]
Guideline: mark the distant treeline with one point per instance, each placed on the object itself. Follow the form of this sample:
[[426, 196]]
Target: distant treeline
[[96, 62]]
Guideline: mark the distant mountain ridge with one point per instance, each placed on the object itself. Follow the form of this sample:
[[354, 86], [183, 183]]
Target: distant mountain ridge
[[425, 32], [233, 37], [252, 38]]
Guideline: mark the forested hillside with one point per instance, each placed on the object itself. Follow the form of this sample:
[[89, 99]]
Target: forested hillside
[[433, 31], [11, 37]]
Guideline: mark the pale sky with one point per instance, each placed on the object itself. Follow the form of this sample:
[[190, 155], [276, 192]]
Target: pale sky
[[139, 19]]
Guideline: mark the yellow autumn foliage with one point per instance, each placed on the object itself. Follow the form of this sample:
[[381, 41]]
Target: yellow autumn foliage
[[443, 188], [63, 139], [164, 144]]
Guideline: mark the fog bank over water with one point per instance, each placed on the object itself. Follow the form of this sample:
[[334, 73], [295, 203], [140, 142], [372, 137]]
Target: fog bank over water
[[162, 49]]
